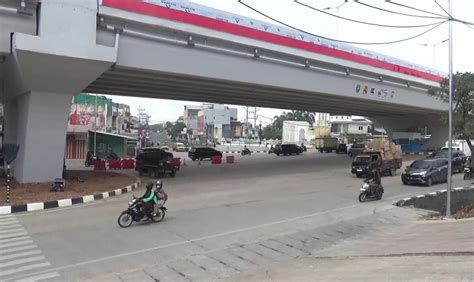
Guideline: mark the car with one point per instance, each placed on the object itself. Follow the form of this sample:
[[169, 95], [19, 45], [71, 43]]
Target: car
[[356, 149], [288, 149], [201, 153], [426, 171], [341, 148], [180, 147], [458, 159]]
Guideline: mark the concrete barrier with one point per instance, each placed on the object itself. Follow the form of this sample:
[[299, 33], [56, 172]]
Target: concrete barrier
[[436, 201]]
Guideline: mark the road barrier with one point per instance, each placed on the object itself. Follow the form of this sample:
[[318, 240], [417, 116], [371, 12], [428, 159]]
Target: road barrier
[[216, 160], [100, 165], [230, 159]]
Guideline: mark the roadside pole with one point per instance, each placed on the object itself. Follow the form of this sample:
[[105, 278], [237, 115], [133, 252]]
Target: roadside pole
[[450, 142], [95, 126]]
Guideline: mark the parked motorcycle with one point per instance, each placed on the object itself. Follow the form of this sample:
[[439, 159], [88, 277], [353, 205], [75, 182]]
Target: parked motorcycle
[[246, 152], [468, 173], [90, 159], [136, 213], [366, 193]]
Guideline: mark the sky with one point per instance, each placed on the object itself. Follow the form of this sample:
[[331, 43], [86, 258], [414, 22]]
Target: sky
[[428, 50]]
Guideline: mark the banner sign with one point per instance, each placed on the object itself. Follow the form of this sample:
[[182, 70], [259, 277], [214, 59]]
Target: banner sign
[[191, 13]]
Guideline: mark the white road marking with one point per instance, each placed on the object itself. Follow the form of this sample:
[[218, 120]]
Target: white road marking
[[9, 231], [8, 221], [14, 239], [24, 268], [13, 244], [12, 250], [10, 225], [19, 255], [21, 261], [40, 277], [23, 233]]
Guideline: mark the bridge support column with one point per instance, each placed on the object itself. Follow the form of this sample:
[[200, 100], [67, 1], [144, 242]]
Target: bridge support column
[[439, 131], [37, 122]]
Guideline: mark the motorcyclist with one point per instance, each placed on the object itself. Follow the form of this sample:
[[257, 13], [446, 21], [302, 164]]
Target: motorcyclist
[[149, 200], [161, 195], [373, 178]]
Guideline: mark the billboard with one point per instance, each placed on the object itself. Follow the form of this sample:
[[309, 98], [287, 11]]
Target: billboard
[[86, 114]]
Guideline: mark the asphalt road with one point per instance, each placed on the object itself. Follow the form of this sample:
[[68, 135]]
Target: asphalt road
[[211, 208]]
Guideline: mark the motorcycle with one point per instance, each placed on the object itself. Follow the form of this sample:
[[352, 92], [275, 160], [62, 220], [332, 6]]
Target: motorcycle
[[467, 173], [366, 193], [90, 160], [136, 213], [303, 147], [246, 152]]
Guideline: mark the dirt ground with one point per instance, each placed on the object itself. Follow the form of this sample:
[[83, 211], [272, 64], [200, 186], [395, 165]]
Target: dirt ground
[[78, 183], [465, 212]]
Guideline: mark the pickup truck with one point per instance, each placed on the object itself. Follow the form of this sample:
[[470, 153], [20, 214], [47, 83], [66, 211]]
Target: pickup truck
[[155, 162], [362, 163]]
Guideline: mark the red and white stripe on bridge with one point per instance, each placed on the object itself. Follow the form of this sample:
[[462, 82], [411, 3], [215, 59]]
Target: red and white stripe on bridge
[[138, 6]]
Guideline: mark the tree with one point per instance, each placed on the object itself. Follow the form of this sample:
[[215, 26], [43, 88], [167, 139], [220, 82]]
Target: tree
[[159, 127], [463, 105], [174, 129], [271, 132]]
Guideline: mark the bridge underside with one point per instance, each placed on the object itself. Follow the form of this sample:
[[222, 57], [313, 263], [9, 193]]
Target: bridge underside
[[139, 83]]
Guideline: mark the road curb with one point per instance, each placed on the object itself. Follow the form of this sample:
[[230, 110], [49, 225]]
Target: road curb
[[38, 206], [410, 200]]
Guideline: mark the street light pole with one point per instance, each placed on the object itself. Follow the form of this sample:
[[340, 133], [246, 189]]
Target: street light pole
[[450, 142]]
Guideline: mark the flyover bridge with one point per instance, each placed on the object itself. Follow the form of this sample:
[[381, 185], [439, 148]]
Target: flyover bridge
[[52, 49]]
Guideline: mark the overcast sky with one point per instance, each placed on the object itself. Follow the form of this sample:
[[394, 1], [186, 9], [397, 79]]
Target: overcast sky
[[426, 50]]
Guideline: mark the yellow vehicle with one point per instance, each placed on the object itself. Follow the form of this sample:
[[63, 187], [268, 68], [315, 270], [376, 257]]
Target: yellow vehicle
[[180, 147]]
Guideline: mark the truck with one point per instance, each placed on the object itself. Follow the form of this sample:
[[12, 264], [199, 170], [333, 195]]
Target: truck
[[327, 144], [363, 162]]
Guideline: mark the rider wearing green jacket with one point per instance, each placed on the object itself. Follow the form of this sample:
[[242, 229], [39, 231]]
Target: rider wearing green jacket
[[149, 199]]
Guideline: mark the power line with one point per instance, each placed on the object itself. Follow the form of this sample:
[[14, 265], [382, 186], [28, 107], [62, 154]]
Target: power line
[[413, 8], [336, 40], [442, 8], [363, 22], [398, 13]]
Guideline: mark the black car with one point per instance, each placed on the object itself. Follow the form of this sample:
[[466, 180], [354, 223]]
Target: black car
[[154, 162], [355, 150], [458, 159], [426, 171], [202, 153], [341, 148], [288, 149]]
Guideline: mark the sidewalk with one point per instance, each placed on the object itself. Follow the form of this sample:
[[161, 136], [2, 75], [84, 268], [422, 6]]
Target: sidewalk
[[427, 251]]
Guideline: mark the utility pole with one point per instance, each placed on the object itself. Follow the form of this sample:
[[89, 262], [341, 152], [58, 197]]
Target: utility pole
[[451, 90], [95, 126], [141, 113]]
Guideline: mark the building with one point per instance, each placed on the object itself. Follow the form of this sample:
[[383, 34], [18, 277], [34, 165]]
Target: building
[[348, 125], [210, 122], [190, 118], [296, 132], [90, 114]]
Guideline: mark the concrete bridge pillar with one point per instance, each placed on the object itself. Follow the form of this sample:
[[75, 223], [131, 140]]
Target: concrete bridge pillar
[[39, 122], [42, 74]]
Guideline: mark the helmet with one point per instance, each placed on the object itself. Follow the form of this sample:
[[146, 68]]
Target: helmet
[[159, 184], [149, 185]]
